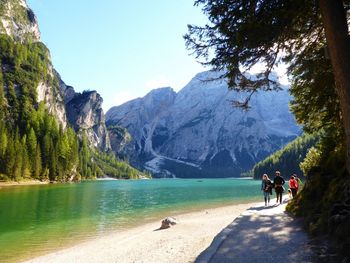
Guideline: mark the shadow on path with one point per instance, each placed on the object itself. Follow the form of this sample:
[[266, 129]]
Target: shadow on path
[[260, 235]]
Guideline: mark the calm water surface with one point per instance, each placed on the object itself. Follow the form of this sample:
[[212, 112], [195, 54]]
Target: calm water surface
[[35, 220]]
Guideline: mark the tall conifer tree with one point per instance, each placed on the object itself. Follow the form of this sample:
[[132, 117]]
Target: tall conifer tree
[[241, 34]]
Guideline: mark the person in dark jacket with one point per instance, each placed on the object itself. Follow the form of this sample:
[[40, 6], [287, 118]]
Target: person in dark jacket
[[278, 182]]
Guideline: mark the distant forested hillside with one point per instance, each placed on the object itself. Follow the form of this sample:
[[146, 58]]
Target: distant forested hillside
[[286, 160]]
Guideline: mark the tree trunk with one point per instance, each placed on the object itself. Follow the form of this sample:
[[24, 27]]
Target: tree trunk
[[338, 41]]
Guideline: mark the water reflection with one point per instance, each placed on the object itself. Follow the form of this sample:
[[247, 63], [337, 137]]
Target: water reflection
[[42, 218]]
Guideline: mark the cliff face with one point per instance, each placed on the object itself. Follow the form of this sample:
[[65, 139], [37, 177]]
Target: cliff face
[[84, 111], [86, 115], [19, 22], [53, 99], [121, 141], [197, 132]]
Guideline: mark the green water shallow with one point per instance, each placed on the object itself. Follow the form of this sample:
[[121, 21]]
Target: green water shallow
[[35, 220]]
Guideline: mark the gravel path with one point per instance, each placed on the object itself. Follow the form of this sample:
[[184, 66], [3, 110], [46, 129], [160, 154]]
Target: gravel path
[[260, 234]]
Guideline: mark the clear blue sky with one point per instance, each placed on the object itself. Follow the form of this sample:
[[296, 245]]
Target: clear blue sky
[[122, 49]]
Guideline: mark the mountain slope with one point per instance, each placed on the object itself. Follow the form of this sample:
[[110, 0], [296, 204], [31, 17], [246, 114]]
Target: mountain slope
[[197, 132], [19, 22], [85, 114], [37, 141], [286, 160]]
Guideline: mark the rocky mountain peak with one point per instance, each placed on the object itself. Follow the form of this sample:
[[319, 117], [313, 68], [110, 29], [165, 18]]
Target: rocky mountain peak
[[150, 107], [18, 21], [198, 133], [161, 92], [85, 114], [84, 103]]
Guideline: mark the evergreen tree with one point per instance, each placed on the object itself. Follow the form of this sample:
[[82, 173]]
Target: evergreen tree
[[26, 170], [10, 158], [32, 147], [84, 156], [17, 168], [37, 165], [53, 172], [46, 150], [13, 103], [243, 33], [3, 140], [288, 159], [2, 99]]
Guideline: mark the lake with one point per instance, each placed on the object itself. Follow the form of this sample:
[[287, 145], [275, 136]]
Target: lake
[[38, 219]]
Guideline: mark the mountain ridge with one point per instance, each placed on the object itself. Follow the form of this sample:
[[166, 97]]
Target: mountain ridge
[[198, 128]]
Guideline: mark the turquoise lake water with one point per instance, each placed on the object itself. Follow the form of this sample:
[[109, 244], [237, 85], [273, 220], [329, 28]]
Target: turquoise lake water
[[35, 220]]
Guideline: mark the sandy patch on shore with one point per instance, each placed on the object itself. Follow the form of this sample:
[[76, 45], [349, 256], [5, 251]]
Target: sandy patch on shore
[[29, 182], [180, 243]]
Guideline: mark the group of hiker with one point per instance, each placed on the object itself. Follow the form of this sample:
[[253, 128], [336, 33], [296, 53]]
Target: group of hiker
[[278, 184]]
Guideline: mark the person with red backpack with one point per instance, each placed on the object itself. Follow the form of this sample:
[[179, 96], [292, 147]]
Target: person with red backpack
[[300, 183], [293, 186]]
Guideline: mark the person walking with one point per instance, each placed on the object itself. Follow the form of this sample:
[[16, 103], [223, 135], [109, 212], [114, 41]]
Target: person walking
[[293, 186], [300, 183], [266, 187], [278, 182]]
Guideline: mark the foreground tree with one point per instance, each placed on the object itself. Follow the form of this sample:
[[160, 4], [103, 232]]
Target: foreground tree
[[243, 33]]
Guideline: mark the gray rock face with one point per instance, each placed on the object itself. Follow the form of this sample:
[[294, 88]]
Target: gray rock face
[[67, 91], [85, 114], [139, 116], [121, 141], [19, 21], [197, 132], [53, 100]]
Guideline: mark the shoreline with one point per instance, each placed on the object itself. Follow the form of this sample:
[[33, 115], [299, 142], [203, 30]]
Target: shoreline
[[23, 183], [38, 182], [183, 242]]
